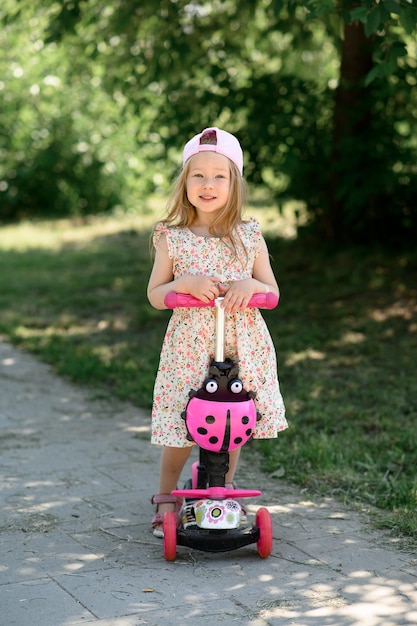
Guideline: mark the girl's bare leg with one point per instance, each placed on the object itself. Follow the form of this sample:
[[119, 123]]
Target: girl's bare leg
[[233, 461], [171, 466]]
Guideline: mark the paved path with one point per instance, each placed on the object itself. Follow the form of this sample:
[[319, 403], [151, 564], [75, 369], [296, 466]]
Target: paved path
[[76, 546]]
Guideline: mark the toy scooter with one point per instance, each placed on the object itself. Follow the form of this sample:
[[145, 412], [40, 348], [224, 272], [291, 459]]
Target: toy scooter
[[221, 416]]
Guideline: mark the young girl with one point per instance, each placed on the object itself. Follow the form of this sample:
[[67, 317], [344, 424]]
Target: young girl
[[205, 248]]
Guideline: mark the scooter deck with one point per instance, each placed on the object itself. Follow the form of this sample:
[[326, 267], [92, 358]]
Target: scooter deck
[[217, 540]]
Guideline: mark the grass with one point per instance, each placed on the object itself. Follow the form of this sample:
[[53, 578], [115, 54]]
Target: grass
[[345, 331]]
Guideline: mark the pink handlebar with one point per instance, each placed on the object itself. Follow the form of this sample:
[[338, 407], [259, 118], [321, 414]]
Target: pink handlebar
[[175, 300]]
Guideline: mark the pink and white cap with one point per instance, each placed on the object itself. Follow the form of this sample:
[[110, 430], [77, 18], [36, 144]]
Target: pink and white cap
[[226, 144]]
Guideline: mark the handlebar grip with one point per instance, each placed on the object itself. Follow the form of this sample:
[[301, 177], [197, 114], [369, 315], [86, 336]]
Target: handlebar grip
[[264, 300], [175, 300]]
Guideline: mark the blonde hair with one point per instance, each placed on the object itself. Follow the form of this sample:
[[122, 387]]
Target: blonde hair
[[182, 214]]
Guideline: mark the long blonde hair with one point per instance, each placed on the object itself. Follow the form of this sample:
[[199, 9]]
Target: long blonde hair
[[182, 214]]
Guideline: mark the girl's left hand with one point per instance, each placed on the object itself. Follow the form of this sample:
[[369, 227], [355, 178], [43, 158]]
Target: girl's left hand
[[236, 294]]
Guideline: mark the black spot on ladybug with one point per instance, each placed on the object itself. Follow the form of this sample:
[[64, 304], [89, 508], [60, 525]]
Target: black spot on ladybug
[[210, 419], [202, 431], [249, 432], [245, 419], [238, 440], [213, 440]]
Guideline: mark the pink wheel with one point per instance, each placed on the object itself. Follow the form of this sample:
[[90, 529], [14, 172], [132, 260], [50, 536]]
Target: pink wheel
[[170, 535], [264, 523]]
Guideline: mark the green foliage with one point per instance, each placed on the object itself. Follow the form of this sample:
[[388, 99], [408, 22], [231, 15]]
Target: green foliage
[[137, 79], [62, 152]]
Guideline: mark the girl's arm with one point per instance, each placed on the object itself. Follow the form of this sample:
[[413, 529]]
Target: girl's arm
[[238, 293], [162, 280]]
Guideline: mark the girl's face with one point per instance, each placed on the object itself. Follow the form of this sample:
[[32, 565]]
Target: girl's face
[[208, 181]]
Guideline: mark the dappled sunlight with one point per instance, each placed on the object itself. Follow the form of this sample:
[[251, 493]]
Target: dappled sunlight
[[8, 362], [349, 338], [54, 235], [138, 430], [304, 355], [293, 507], [310, 354], [291, 593], [404, 308], [368, 608], [38, 551], [88, 328], [282, 223]]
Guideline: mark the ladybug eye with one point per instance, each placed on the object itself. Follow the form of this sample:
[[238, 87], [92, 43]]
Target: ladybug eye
[[235, 386], [211, 385]]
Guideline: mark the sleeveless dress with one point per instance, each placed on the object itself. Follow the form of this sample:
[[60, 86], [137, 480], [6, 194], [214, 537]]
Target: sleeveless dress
[[189, 341]]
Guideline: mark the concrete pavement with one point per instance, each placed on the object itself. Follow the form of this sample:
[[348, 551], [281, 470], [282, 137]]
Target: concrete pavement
[[76, 547]]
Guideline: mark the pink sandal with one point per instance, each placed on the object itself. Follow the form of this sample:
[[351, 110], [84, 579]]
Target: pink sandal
[[158, 518]]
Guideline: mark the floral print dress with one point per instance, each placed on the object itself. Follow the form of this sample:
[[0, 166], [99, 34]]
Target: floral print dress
[[189, 341]]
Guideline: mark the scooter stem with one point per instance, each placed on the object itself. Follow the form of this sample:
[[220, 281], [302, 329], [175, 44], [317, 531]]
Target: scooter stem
[[219, 348]]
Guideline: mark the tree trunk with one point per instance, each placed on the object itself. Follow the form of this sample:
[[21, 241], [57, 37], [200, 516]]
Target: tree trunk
[[352, 119]]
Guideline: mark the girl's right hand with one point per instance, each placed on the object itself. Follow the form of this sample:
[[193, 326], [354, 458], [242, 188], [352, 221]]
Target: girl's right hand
[[204, 288]]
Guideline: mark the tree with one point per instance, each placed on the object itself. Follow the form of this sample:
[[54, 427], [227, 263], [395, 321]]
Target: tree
[[371, 158]]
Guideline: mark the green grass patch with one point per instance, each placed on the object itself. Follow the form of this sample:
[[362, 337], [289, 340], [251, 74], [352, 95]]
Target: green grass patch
[[346, 336]]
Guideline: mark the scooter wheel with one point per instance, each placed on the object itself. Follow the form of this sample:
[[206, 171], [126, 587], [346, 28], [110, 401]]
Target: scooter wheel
[[264, 523], [170, 535]]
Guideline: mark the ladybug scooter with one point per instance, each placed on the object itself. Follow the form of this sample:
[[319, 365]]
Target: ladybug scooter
[[221, 416]]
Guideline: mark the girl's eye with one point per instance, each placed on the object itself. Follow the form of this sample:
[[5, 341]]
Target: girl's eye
[[236, 386], [211, 385]]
